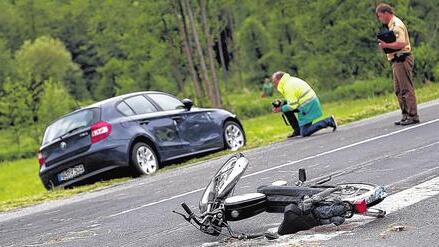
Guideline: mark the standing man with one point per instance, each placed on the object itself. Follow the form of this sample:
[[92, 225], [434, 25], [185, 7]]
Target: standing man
[[402, 64], [300, 99]]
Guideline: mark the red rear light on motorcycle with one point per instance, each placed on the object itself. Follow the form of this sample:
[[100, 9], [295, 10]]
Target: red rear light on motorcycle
[[100, 131], [41, 159], [360, 206]]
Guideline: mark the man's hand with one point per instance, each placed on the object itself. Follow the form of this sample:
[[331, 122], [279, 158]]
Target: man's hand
[[276, 103], [382, 44], [394, 45], [276, 109]]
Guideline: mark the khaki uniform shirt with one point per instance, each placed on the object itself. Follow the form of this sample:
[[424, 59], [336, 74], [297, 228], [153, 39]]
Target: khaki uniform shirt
[[402, 35]]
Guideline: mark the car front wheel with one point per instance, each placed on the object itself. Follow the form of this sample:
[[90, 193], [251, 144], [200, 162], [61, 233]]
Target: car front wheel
[[233, 136], [143, 159]]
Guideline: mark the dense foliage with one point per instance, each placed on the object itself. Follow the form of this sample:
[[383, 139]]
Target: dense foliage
[[78, 51]]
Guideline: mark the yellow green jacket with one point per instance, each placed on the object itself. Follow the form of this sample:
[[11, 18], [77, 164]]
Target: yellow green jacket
[[295, 90]]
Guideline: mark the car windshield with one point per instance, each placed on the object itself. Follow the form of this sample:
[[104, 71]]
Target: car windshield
[[70, 123]]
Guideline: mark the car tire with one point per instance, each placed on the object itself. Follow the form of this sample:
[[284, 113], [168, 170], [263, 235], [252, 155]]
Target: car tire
[[48, 185], [144, 159], [233, 135]]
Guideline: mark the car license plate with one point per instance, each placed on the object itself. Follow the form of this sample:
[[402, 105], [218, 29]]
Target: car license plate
[[71, 173]]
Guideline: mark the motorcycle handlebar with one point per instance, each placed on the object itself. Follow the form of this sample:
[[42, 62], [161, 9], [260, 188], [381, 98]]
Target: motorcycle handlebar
[[191, 214], [187, 209]]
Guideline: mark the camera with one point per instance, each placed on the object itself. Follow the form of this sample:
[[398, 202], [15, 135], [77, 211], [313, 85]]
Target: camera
[[277, 103]]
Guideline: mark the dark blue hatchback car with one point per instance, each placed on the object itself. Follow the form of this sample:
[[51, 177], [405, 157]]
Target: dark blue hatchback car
[[141, 130]]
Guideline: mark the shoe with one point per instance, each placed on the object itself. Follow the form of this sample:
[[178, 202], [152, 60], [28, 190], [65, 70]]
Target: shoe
[[409, 121], [400, 121], [404, 117], [333, 123], [294, 134]]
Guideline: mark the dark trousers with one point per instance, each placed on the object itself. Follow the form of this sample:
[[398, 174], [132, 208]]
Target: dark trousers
[[307, 129], [292, 120], [310, 128], [404, 89]]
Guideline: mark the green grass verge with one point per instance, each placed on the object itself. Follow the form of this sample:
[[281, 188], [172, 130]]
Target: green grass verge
[[270, 128], [20, 184]]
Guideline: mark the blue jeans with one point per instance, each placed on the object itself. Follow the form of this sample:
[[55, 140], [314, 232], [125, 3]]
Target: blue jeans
[[310, 128]]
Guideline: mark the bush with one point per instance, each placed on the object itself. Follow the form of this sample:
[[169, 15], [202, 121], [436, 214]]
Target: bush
[[13, 149], [358, 90], [426, 58], [248, 104]]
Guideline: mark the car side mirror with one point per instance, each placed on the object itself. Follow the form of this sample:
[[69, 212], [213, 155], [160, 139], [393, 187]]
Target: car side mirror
[[187, 104]]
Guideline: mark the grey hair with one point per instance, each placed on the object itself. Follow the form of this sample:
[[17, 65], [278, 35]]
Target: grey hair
[[383, 8], [277, 75]]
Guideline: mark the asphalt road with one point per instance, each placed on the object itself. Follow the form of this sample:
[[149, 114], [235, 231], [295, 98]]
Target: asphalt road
[[138, 213]]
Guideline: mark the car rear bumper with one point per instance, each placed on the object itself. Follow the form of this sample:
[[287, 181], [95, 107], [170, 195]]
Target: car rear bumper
[[94, 161]]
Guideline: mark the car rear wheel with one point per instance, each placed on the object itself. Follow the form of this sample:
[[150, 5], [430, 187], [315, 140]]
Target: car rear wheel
[[143, 159], [48, 185], [233, 136]]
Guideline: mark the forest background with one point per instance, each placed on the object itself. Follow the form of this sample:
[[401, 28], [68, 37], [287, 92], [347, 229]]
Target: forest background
[[59, 55]]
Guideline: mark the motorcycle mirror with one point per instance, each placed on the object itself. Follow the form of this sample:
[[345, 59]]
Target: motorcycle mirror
[[302, 175]]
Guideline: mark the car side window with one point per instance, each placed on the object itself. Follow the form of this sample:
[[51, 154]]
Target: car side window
[[140, 104], [125, 109], [166, 102]]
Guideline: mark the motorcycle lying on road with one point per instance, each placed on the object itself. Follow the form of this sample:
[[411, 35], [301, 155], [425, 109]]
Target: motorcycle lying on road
[[305, 204]]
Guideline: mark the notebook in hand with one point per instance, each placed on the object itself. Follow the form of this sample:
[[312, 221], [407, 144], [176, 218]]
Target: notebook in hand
[[388, 37]]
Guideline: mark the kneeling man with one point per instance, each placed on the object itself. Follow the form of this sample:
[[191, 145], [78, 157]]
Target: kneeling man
[[300, 99]]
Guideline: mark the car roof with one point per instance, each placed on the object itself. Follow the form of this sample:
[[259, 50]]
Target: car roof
[[117, 98], [101, 103]]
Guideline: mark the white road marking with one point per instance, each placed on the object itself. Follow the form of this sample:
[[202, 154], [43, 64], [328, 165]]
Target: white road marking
[[341, 148], [391, 204], [286, 164], [154, 203]]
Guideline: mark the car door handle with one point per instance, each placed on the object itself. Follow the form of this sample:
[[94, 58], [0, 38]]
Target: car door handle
[[177, 118], [143, 122]]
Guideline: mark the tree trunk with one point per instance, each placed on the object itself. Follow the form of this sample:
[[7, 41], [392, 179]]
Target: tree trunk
[[32, 18], [37, 89], [235, 49], [188, 50], [223, 62], [174, 60], [287, 33], [215, 85], [200, 52]]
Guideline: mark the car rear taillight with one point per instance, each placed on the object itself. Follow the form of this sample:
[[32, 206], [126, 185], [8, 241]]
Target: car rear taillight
[[100, 131], [41, 159], [360, 206]]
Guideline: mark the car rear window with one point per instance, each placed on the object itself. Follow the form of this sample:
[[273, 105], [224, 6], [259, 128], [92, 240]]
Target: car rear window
[[77, 120], [166, 102]]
